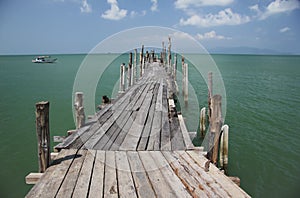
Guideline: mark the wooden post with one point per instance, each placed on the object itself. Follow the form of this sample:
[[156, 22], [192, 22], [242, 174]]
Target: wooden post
[[141, 60], [223, 157], [43, 134], [129, 74], [175, 67], [152, 56], [135, 67], [169, 53], [202, 121], [80, 116], [186, 83], [210, 93], [215, 128], [122, 78], [143, 66]]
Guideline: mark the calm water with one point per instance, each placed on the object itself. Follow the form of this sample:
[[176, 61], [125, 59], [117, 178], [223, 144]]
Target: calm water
[[263, 97]]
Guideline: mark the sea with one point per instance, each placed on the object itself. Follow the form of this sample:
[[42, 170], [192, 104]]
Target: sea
[[262, 111]]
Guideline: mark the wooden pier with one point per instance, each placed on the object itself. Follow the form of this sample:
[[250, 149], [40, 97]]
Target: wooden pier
[[137, 146]]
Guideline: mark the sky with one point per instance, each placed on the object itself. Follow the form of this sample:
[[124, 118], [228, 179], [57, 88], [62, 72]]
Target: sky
[[77, 26]]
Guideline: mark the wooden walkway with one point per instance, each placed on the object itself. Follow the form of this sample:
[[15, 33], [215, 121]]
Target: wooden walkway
[[140, 119], [138, 146], [95, 173]]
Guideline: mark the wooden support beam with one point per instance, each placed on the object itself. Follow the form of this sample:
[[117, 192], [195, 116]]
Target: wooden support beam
[[141, 61], [33, 178], [43, 134], [169, 53], [134, 76], [215, 128], [223, 156], [210, 93], [122, 78], [80, 116], [186, 84], [129, 71], [202, 121]]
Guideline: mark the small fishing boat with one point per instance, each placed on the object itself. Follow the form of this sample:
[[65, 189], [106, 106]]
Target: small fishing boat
[[44, 59]]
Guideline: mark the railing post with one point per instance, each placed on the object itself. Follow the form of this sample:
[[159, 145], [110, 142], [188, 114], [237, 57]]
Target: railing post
[[80, 116], [43, 134]]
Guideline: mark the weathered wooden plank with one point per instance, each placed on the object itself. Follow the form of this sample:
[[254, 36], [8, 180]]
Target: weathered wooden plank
[[146, 131], [182, 173], [97, 183], [133, 136], [165, 125], [33, 178], [154, 139], [135, 96], [177, 142], [82, 186], [110, 178], [186, 137], [115, 133], [122, 134], [68, 185], [159, 183], [174, 182], [102, 130], [141, 180], [125, 180], [54, 175], [188, 164], [229, 186]]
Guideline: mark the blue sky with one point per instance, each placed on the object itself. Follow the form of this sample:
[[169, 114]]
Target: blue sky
[[76, 26]]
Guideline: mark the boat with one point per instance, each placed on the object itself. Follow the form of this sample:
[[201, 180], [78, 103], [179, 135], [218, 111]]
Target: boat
[[44, 59]]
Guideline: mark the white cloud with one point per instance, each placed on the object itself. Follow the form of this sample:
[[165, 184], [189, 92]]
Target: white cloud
[[285, 29], [224, 17], [211, 35], [280, 6], [85, 7], [184, 4], [255, 8], [154, 5], [114, 13], [134, 13]]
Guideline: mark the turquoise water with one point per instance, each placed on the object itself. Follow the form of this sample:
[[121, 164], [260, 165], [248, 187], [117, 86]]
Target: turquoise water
[[263, 97]]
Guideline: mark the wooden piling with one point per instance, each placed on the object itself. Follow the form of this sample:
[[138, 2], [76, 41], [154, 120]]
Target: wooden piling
[[210, 93], [169, 53], [202, 121], [80, 116], [122, 78], [175, 67], [43, 135], [141, 60], [185, 81], [129, 71], [215, 128], [223, 156], [135, 67]]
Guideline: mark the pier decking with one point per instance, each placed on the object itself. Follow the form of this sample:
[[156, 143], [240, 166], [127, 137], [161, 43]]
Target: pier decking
[[138, 146], [141, 119]]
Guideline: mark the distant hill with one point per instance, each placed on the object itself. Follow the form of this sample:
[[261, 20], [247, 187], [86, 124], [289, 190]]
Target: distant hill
[[246, 50]]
